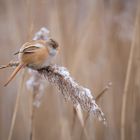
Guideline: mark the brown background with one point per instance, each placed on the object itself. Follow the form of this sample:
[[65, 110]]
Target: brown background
[[96, 39]]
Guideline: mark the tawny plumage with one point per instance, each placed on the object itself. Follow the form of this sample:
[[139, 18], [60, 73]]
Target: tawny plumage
[[35, 55]]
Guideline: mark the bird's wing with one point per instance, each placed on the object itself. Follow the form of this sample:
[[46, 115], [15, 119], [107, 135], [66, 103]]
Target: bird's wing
[[29, 48]]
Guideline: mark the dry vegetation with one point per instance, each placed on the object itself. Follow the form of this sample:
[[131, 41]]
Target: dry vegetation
[[100, 42]]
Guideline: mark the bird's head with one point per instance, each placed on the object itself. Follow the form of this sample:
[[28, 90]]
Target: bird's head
[[53, 46]]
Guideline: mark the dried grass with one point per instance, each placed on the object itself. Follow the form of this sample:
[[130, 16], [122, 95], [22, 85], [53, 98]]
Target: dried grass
[[95, 39]]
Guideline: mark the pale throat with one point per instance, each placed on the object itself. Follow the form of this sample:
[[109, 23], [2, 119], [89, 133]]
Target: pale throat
[[52, 51]]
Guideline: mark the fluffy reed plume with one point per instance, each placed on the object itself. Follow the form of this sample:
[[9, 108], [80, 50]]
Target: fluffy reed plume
[[36, 83], [72, 91], [43, 34]]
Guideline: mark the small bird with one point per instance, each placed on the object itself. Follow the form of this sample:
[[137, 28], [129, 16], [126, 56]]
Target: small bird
[[35, 54]]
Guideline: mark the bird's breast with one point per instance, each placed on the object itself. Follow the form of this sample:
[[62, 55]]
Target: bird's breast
[[37, 59]]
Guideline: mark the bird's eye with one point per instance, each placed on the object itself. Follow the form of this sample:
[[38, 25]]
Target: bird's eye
[[53, 44]]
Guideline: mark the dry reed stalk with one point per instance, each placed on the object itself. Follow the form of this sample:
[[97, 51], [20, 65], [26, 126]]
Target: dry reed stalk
[[128, 73], [136, 90], [103, 91], [36, 84], [32, 122], [16, 107], [79, 114], [106, 88]]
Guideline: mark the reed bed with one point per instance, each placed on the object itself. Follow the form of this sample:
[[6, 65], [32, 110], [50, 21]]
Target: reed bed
[[99, 42]]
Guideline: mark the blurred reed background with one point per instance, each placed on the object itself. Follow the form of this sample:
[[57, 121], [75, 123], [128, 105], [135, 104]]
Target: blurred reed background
[[100, 42]]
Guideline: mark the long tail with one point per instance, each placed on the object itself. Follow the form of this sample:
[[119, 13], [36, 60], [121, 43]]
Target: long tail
[[20, 66]]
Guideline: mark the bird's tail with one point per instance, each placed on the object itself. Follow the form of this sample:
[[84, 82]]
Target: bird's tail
[[18, 68]]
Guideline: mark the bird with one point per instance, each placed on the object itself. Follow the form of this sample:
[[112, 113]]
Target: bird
[[35, 54]]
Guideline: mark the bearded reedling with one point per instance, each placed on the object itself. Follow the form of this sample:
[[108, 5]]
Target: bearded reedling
[[35, 54]]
